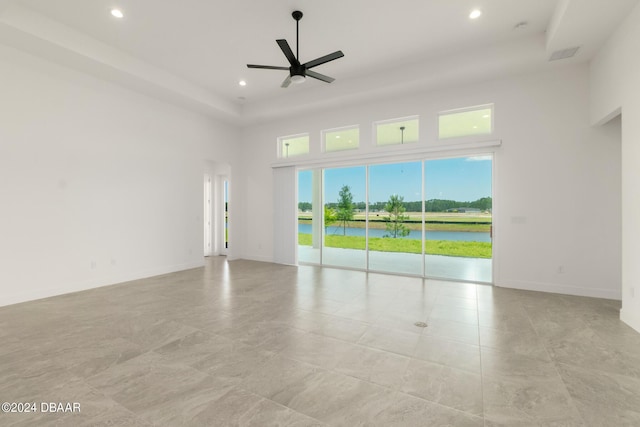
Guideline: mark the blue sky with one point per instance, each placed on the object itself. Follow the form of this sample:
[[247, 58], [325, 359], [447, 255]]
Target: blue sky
[[461, 179]]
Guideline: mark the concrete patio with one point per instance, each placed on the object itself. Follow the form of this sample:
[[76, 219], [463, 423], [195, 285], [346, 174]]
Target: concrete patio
[[436, 266]]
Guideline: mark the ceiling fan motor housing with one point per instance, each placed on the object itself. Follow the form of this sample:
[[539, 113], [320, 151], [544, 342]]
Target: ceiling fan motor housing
[[298, 70]]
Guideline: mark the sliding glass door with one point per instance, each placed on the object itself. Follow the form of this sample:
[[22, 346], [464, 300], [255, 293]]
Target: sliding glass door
[[427, 218], [309, 216], [345, 217], [458, 218], [395, 218]]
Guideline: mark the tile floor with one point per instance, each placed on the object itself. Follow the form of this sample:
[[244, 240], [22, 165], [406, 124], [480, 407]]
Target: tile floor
[[255, 344]]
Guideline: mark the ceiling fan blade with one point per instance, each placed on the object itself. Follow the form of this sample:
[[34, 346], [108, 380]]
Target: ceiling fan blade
[[267, 67], [319, 76], [286, 49], [335, 55], [286, 82]]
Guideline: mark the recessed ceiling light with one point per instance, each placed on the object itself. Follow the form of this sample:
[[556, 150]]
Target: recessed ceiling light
[[242, 83], [475, 14], [117, 13], [486, 116], [337, 136]]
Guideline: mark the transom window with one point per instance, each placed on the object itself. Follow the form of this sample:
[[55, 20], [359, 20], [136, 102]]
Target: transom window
[[465, 122], [397, 131], [291, 146], [347, 138]]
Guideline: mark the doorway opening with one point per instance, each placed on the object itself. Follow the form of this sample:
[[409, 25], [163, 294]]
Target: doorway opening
[[217, 196], [225, 215], [208, 213]]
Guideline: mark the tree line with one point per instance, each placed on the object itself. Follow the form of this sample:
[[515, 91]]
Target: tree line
[[432, 205], [343, 210]]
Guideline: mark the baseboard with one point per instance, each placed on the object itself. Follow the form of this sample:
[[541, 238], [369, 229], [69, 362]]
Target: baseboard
[[36, 294], [260, 258], [287, 264], [556, 288], [631, 318]]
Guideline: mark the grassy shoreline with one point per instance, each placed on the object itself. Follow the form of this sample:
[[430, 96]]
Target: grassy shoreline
[[417, 226], [413, 246]]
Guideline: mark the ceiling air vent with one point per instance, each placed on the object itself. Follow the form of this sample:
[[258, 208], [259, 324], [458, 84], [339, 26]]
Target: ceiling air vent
[[564, 53]]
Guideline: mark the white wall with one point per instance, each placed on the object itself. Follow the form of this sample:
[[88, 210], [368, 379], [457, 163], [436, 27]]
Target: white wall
[[98, 184], [557, 179], [615, 87]]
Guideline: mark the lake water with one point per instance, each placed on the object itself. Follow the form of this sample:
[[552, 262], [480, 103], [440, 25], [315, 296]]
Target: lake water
[[467, 236]]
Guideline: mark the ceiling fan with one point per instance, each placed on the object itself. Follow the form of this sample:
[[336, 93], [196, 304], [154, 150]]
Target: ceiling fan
[[297, 71]]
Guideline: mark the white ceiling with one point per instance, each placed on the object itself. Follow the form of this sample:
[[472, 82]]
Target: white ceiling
[[194, 52]]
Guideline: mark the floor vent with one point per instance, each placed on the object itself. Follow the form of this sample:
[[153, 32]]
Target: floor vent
[[564, 53]]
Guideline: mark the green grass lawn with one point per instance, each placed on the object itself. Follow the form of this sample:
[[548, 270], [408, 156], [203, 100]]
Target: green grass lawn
[[412, 246]]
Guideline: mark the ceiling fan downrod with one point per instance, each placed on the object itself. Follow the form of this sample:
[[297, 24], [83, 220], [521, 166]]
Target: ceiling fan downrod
[[297, 15]]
